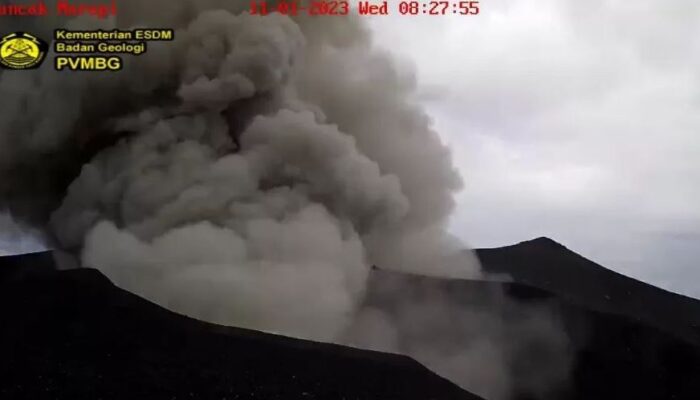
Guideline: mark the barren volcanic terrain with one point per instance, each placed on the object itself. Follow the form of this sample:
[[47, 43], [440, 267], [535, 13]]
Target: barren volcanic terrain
[[74, 335]]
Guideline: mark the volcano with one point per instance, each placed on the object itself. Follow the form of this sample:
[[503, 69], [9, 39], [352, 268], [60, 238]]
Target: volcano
[[548, 265], [628, 339], [74, 335]]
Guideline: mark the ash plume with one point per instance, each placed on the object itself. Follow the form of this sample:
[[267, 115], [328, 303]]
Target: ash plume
[[248, 173]]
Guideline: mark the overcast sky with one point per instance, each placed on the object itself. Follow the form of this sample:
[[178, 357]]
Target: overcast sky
[[572, 119]]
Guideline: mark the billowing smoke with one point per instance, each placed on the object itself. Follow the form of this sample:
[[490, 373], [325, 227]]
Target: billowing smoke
[[248, 173], [468, 331]]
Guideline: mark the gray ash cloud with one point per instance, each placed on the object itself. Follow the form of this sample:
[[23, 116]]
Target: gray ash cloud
[[248, 173]]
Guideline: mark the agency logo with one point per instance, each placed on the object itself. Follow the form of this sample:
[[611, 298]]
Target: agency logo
[[21, 50]]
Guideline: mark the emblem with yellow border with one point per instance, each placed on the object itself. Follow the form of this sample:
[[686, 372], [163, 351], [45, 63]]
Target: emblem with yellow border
[[21, 50]]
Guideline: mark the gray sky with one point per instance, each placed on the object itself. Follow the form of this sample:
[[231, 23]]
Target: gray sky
[[15, 239], [576, 120]]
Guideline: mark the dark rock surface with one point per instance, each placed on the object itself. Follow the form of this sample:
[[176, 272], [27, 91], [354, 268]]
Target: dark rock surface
[[631, 340], [614, 356], [16, 268], [73, 335], [546, 264]]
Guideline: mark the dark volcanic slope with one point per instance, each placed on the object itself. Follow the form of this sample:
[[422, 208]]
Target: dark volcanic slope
[[73, 335], [546, 264], [20, 267], [614, 357]]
